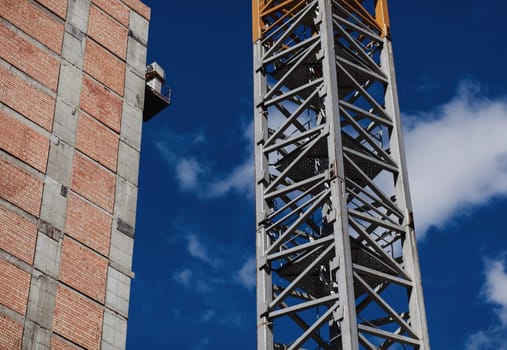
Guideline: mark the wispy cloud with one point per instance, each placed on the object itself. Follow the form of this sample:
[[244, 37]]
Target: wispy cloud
[[189, 163], [208, 315], [187, 173], [240, 180], [177, 150], [198, 250], [184, 277], [202, 344], [246, 274], [194, 281], [457, 157], [494, 292]]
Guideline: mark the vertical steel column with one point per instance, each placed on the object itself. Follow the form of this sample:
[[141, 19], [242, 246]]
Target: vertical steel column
[[337, 263]]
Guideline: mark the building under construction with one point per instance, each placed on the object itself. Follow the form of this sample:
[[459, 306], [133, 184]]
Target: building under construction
[[72, 91], [337, 264]]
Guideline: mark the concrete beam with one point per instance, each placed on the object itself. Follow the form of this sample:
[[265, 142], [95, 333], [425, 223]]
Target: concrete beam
[[114, 332], [118, 291]]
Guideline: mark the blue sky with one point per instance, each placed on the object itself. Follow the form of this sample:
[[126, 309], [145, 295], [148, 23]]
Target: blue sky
[[194, 247]]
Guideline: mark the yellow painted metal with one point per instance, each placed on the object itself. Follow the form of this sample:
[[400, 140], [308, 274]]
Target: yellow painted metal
[[382, 17], [292, 11], [356, 7], [256, 19], [262, 8]]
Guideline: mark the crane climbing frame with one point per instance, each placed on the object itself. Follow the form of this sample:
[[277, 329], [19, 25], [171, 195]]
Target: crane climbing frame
[[337, 264]]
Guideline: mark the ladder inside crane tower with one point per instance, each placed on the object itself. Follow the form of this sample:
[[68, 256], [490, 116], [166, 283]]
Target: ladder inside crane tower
[[337, 264]]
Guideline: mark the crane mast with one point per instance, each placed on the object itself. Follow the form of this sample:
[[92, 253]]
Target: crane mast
[[337, 264]]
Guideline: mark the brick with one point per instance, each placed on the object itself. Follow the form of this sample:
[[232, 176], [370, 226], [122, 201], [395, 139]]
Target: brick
[[60, 344], [139, 7], [93, 182], [11, 333], [27, 57], [107, 32], [17, 235], [97, 141], [58, 7], [101, 104], [77, 319], [20, 188], [88, 224], [115, 9], [23, 142], [26, 99], [104, 66], [33, 21], [83, 269], [14, 287]]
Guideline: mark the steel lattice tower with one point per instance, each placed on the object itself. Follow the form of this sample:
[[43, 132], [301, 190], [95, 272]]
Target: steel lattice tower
[[337, 264]]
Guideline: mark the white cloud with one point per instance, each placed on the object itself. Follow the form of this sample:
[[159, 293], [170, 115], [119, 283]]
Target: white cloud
[[178, 150], [196, 248], [246, 274], [457, 157], [184, 277], [189, 164], [494, 292], [187, 173], [202, 344], [495, 289], [194, 282], [240, 179], [208, 315]]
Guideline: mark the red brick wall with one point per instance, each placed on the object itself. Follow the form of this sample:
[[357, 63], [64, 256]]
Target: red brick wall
[[35, 62], [116, 9], [26, 99], [23, 142], [97, 141], [93, 182], [11, 333], [139, 7], [78, 319], [100, 103], [34, 22], [83, 269], [88, 224], [14, 287], [57, 6], [104, 66], [20, 188], [107, 32], [17, 235], [59, 344]]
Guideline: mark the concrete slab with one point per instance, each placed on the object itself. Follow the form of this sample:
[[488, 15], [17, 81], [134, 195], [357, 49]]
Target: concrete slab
[[125, 201], [118, 291], [134, 87], [114, 332], [128, 163], [69, 85], [42, 299], [73, 49], [121, 248], [47, 255], [131, 125], [136, 55], [54, 204], [138, 28], [77, 14]]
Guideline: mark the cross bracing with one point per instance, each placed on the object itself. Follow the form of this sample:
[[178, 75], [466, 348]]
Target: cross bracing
[[337, 264]]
